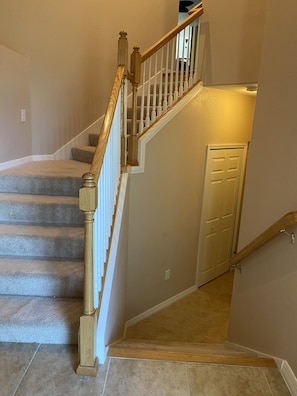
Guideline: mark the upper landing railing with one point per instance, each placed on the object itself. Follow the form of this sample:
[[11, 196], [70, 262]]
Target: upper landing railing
[[161, 75]]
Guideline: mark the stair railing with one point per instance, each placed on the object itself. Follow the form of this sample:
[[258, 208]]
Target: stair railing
[[165, 72], [271, 232], [97, 200]]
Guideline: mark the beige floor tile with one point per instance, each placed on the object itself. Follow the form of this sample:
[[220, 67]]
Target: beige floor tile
[[212, 380], [52, 373], [129, 377], [15, 358], [276, 382]]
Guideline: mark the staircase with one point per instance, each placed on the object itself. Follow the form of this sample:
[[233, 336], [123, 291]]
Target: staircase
[[86, 153], [41, 250]]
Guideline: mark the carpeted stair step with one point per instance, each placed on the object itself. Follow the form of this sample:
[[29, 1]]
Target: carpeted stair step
[[40, 209], [44, 178], [39, 319], [46, 278], [38, 241], [41, 251], [83, 153], [186, 352], [93, 139]]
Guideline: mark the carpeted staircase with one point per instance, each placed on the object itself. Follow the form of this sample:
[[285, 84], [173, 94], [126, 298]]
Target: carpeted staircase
[[41, 251], [86, 153]]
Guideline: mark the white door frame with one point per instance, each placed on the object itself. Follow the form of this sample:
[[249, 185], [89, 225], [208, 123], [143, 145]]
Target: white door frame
[[209, 147]]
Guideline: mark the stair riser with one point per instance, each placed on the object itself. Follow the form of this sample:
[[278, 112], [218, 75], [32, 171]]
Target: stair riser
[[33, 334], [45, 286], [34, 246], [16, 213], [93, 139], [82, 155], [130, 112], [40, 185]]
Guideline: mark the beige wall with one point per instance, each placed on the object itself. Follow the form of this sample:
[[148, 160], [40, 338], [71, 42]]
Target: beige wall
[[15, 136], [165, 201], [231, 41], [71, 47], [266, 293]]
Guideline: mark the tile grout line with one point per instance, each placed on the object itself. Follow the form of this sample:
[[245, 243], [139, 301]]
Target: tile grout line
[[27, 368], [106, 375], [268, 383], [188, 382]]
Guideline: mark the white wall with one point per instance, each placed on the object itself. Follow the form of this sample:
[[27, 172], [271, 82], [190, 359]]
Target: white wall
[[266, 293], [71, 48], [165, 200], [231, 41]]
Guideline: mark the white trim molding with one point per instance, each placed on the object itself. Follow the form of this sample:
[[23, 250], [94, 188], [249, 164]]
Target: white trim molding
[[289, 377]]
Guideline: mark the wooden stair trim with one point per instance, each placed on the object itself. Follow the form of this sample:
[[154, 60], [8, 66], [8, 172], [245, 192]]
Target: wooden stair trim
[[178, 346], [135, 353]]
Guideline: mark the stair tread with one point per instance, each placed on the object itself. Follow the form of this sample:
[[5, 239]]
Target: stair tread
[[39, 319], [41, 231], [180, 346], [48, 169], [41, 277], [13, 267], [91, 149], [38, 310], [39, 199], [171, 354]]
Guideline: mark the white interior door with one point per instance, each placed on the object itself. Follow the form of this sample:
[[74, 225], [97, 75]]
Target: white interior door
[[220, 208]]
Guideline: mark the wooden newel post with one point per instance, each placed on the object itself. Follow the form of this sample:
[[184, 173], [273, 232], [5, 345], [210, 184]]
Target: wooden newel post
[[88, 322], [135, 80], [123, 61], [123, 51]]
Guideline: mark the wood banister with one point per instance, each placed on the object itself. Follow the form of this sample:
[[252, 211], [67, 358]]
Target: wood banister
[[286, 221], [105, 130], [194, 9], [170, 35]]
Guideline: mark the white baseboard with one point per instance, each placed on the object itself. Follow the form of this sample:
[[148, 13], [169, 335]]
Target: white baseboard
[[159, 307], [283, 366], [24, 160], [289, 377]]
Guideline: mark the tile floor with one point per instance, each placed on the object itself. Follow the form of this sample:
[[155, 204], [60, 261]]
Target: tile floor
[[49, 370]]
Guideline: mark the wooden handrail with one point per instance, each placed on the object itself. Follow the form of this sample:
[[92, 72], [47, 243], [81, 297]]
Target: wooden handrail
[[89, 195], [286, 221], [105, 130], [171, 34], [195, 8]]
